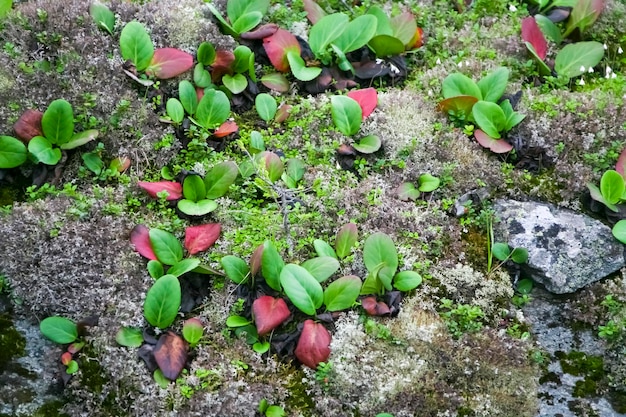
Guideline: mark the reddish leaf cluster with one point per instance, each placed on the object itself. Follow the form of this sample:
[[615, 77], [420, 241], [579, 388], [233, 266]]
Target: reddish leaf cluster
[[197, 239]]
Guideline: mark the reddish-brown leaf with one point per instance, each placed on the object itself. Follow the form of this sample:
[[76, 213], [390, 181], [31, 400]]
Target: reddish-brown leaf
[[313, 11], [226, 129], [367, 99], [255, 260], [28, 125], [277, 46], [222, 63], [66, 358], [457, 105], [261, 32], [269, 313], [140, 238], [199, 93], [173, 188], [202, 237], [346, 150], [495, 145], [282, 113], [532, 33], [417, 41], [120, 164], [169, 63], [170, 354], [373, 307], [314, 344], [620, 166]]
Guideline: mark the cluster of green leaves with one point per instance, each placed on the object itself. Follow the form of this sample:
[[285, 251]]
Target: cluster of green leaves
[[461, 318], [612, 193], [242, 16], [615, 329], [209, 112], [64, 332], [271, 410], [347, 115], [199, 194], [427, 183], [57, 126]]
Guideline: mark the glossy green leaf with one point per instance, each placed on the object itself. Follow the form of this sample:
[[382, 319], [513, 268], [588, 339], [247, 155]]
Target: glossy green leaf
[[93, 162], [295, 168], [57, 122], [135, 45], [273, 164], [129, 337], [519, 255], [257, 144], [227, 28], [261, 347], [428, 183], [59, 329], [322, 248], [549, 29], [196, 208], [407, 280], [219, 179], [357, 33], [237, 321], [304, 291], [192, 331], [576, 58], [166, 246], [368, 144], [326, 30], [372, 285], [202, 78], [188, 96], [160, 379], [489, 117], [175, 110], [5, 7], [80, 138], [501, 251], [235, 9], [612, 186], [342, 293], [346, 238], [583, 15], [265, 106], [386, 46], [347, 114], [525, 286], [241, 63], [383, 23], [276, 81], [513, 118], [542, 67], [492, 86], [619, 231], [379, 254], [103, 16], [193, 188], [41, 149], [235, 268], [72, 367], [162, 301], [321, 268], [184, 266], [457, 84], [272, 265], [155, 269], [13, 152], [299, 68], [236, 83], [206, 53], [213, 109], [247, 22], [407, 191]]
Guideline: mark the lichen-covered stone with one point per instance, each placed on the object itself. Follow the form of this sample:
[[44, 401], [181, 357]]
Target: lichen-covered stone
[[567, 250]]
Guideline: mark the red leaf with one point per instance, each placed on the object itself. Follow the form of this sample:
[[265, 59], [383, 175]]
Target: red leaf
[[170, 354], [457, 104], [313, 11], [226, 129], [620, 166], [169, 62], [140, 238], [373, 307], [531, 33], [199, 93], [277, 46], [174, 189], [28, 125], [276, 81], [255, 260], [346, 150], [66, 358], [314, 344], [269, 313], [261, 32], [222, 63], [282, 113], [496, 145], [200, 238], [367, 99], [418, 39]]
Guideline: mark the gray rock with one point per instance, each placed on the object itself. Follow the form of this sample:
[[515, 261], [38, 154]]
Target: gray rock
[[566, 250]]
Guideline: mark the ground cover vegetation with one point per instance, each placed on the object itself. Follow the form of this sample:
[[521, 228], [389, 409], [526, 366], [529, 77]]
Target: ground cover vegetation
[[314, 164]]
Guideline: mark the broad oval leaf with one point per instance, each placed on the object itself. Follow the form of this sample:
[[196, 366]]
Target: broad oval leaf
[[269, 313], [247, 22], [57, 122], [519, 255], [407, 280], [173, 189], [492, 86], [276, 81], [278, 45], [184, 266], [193, 331], [322, 248], [235, 268], [265, 106], [43, 152], [175, 110], [386, 45], [619, 231], [357, 33], [342, 293], [501, 251], [206, 53], [407, 191], [59, 329], [170, 354], [578, 56], [213, 109], [304, 291], [219, 179], [495, 145], [167, 248], [13, 152], [404, 27], [489, 117], [236, 83], [532, 33], [295, 169], [299, 68], [237, 8], [140, 238], [202, 237], [226, 129], [202, 79], [346, 239], [80, 139], [272, 265], [368, 144], [524, 286], [129, 337], [549, 29], [196, 208], [326, 30], [193, 188], [169, 63], [162, 301], [457, 84], [314, 344], [612, 186], [273, 164], [136, 46], [367, 99], [428, 183], [155, 268], [347, 114], [458, 106], [322, 267], [237, 321], [379, 254], [103, 16], [383, 23]]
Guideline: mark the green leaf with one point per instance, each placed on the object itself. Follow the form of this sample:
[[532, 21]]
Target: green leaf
[[501, 251], [43, 152], [188, 96], [275, 411], [155, 269], [57, 122], [261, 347], [93, 162], [407, 280], [512, 117], [525, 286], [457, 84], [299, 68], [13, 152], [104, 18], [166, 247], [135, 45], [129, 337], [160, 379], [193, 188], [492, 86], [184, 266], [196, 208], [235, 9], [489, 117], [206, 53], [236, 83], [272, 163], [247, 22], [272, 265], [572, 57], [357, 33], [80, 139], [59, 329], [266, 106], [5, 7], [175, 110], [612, 186], [372, 285], [383, 23], [162, 301], [193, 331], [237, 321], [549, 29], [202, 78], [386, 45], [213, 109], [542, 67], [257, 144], [583, 15], [326, 30], [219, 179], [342, 293], [519, 255], [379, 254], [235, 268], [228, 29], [241, 63], [347, 114], [368, 144], [321, 268], [324, 249], [346, 239], [295, 169], [304, 291], [72, 367], [428, 183], [407, 191], [619, 231]]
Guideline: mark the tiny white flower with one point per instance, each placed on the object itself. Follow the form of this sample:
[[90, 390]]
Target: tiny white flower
[[438, 61], [430, 93], [581, 82], [608, 70], [512, 8], [460, 64], [620, 50], [605, 47], [590, 70], [582, 68], [613, 75], [467, 63]]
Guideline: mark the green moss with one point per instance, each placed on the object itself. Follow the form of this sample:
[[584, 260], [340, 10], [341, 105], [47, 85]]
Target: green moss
[[298, 399], [92, 375], [12, 343], [50, 409], [588, 366]]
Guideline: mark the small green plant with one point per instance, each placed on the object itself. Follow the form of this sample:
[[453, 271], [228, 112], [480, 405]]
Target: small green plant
[[103, 16], [323, 374], [242, 15], [612, 193], [348, 113], [461, 318], [271, 410], [64, 332], [426, 183], [5, 7]]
